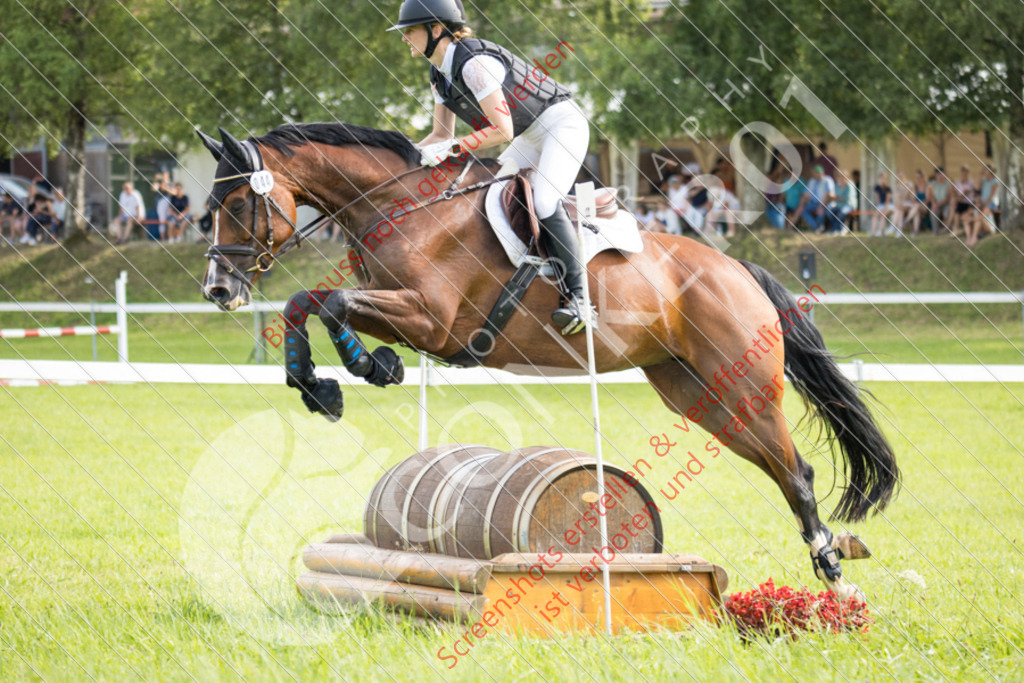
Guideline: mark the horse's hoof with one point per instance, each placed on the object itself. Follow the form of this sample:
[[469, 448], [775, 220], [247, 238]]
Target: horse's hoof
[[850, 547], [845, 590], [325, 398], [387, 368]]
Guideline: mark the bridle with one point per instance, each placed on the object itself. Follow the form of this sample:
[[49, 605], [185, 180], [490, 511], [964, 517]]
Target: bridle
[[261, 182]]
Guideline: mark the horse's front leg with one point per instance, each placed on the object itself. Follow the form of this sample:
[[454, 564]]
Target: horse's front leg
[[320, 395], [379, 367]]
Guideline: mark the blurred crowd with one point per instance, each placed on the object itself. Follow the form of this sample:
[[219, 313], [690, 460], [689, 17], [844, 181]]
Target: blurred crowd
[[830, 200], [691, 202], [36, 217], [173, 214], [40, 214]]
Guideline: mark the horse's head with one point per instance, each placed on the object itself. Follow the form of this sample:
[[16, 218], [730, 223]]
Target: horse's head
[[253, 214]]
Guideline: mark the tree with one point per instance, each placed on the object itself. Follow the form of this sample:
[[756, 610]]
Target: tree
[[972, 75], [71, 64]]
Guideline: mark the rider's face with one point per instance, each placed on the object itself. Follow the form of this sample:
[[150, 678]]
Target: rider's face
[[416, 38]]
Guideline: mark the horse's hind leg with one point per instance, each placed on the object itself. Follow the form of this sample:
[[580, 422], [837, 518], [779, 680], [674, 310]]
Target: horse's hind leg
[[748, 420]]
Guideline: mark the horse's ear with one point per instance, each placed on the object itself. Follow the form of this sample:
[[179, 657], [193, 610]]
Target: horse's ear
[[234, 148], [216, 148]]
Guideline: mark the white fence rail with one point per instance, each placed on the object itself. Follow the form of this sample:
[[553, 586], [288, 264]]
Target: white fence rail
[[21, 371]]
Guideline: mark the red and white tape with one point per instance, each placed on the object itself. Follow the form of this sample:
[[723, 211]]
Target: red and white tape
[[77, 331]]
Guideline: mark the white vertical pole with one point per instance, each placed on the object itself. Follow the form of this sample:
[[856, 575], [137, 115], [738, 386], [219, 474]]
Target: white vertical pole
[[586, 207], [425, 366], [121, 298]]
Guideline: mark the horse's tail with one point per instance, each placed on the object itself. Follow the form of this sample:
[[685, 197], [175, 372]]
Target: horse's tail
[[870, 464]]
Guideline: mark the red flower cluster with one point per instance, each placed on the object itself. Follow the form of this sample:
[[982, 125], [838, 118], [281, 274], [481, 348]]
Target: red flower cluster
[[772, 611]]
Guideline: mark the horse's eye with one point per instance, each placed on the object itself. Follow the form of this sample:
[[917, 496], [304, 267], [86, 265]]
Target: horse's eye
[[236, 205]]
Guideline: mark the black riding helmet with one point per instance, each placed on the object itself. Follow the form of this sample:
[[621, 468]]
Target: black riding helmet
[[450, 13]]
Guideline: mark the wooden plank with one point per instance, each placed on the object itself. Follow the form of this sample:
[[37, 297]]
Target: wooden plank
[[421, 569], [336, 592], [527, 594]]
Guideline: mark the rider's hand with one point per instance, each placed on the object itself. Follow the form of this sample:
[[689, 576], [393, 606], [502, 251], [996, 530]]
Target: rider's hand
[[436, 152]]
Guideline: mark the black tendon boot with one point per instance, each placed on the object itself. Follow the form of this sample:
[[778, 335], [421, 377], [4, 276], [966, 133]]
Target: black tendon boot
[[562, 248]]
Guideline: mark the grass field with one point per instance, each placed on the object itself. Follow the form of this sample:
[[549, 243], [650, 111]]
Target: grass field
[[154, 533]]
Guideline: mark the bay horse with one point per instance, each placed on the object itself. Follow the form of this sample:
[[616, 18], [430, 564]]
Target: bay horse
[[695, 320]]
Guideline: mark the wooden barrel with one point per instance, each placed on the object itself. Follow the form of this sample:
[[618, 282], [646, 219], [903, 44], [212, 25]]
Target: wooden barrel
[[478, 502]]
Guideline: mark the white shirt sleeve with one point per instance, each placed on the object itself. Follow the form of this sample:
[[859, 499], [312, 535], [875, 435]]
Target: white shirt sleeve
[[483, 75], [437, 98]]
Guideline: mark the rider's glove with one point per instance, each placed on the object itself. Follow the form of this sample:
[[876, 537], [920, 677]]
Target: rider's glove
[[436, 152]]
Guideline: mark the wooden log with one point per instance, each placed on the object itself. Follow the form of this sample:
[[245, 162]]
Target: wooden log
[[421, 569], [334, 592]]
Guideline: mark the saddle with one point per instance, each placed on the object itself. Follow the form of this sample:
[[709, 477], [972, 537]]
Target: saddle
[[517, 201]]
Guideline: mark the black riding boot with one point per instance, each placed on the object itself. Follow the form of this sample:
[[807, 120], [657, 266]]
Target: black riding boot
[[561, 245]]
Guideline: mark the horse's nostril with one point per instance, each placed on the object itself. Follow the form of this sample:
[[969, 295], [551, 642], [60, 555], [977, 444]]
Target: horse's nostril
[[220, 294]]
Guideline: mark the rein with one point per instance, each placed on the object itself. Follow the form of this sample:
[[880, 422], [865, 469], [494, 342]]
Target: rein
[[261, 182]]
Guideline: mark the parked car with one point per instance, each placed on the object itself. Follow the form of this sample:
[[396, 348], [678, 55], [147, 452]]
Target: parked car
[[16, 186]]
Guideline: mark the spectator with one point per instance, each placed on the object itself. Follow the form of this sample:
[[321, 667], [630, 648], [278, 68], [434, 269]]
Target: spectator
[[724, 208], [821, 192], [775, 204], [905, 205], [667, 217], [863, 201], [162, 193], [828, 163], [645, 218], [920, 200], [12, 215], [687, 200], [963, 208], [131, 212], [666, 169], [179, 214], [42, 222], [883, 206], [845, 204], [726, 172], [983, 222], [40, 185], [794, 194], [60, 208], [940, 202], [673, 187]]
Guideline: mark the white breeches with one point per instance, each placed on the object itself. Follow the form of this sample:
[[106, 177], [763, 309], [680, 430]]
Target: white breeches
[[555, 146]]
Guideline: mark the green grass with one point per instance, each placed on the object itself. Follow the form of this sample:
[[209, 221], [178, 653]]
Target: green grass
[[908, 334], [154, 533]]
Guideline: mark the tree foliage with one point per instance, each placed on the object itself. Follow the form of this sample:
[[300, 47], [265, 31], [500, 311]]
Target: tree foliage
[[159, 68]]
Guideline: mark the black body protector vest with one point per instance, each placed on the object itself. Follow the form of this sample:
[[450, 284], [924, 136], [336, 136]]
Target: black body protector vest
[[527, 89]]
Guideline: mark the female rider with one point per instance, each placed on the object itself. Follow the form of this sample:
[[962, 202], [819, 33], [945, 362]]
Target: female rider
[[474, 80]]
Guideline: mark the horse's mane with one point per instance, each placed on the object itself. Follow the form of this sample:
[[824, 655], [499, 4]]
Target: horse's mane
[[285, 138]]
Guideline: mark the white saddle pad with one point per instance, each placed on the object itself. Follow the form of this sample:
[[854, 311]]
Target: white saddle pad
[[621, 232]]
